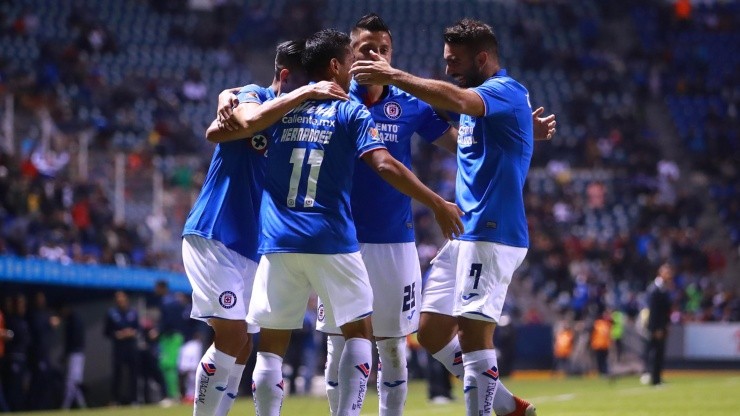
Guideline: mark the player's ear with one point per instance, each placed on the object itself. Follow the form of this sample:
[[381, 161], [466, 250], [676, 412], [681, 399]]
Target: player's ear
[[481, 58], [334, 66], [284, 73]]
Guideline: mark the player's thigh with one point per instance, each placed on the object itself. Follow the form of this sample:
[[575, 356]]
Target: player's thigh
[[439, 290], [395, 278], [484, 271], [280, 292], [342, 284], [221, 279]]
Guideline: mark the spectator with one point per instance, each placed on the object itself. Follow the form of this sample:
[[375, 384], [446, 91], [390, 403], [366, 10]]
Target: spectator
[[601, 341], [122, 328], [5, 336], [659, 306], [74, 351], [187, 363], [16, 377], [42, 325], [171, 328]]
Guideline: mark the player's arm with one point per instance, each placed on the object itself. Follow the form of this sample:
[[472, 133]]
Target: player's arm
[[448, 140], [436, 93], [544, 129], [400, 177], [253, 118]]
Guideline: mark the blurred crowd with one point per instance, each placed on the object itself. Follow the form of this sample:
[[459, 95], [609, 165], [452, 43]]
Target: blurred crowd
[[606, 202]]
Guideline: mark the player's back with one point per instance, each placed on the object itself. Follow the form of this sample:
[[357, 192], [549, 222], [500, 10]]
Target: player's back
[[227, 208], [494, 153], [306, 207]]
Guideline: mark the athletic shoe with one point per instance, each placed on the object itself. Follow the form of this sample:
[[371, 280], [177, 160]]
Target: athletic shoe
[[523, 408]]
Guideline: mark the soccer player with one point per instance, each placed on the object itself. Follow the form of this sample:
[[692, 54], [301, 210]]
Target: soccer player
[[308, 237], [469, 277], [382, 216], [221, 233]]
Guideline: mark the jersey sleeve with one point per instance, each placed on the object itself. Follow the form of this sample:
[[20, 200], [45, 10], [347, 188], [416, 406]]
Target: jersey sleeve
[[494, 97], [362, 128], [250, 94], [431, 124]]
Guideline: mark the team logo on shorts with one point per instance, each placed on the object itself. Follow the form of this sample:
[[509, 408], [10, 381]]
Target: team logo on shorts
[[320, 313], [258, 143], [227, 299], [392, 110]]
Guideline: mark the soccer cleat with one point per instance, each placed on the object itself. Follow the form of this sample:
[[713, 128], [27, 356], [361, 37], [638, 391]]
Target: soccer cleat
[[523, 408]]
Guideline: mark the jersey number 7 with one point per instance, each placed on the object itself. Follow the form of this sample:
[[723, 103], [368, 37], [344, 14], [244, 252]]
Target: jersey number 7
[[315, 157]]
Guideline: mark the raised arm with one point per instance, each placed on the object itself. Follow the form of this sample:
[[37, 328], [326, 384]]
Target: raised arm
[[395, 173], [439, 94], [253, 118]]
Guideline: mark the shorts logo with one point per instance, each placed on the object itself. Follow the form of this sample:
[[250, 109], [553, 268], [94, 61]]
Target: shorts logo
[[209, 368], [320, 313], [458, 358], [392, 110], [227, 299]]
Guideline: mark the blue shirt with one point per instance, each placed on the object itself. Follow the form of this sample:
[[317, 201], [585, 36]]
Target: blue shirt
[[382, 214], [493, 156], [227, 209], [305, 207]]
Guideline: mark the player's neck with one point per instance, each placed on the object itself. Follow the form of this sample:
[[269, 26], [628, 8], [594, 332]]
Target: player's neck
[[275, 87], [374, 93]]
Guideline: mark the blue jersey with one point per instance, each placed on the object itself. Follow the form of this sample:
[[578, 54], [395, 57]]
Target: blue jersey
[[493, 156], [382, 214], [227, 209], [306, 208]]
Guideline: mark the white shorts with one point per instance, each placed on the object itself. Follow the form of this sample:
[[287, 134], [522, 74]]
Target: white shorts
[[395, 278], [284, 281], [470, 279], [221, 278]]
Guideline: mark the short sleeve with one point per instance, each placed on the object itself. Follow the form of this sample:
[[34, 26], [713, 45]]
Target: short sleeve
[[250, 94], [362, 128], [431, 125], [495, 99]]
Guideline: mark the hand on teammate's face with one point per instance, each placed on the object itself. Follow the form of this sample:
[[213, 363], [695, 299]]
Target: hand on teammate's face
[[376, 71]]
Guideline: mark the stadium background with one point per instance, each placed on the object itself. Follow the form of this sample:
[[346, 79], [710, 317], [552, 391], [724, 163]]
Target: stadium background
[[103, 105]]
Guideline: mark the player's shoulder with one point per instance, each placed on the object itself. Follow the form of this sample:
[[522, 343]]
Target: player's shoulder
[[256, 91], [352, 108]]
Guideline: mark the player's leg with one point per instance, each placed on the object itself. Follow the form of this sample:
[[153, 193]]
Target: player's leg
[[437, 327], [395, 277], [341, 281], [484, 271], [217, 277], [235, 376], [277, 306]]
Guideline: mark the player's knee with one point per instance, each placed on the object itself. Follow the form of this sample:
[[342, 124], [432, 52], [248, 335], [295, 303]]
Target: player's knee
[[230, 336]]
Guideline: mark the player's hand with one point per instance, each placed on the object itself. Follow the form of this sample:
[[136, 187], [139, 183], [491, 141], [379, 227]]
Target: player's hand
[[544, 127], [227, 101], [376, 71], [448, 216], [326, 90]]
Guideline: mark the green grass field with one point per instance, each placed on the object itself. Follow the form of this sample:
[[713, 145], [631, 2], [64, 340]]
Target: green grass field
[[685, 393]]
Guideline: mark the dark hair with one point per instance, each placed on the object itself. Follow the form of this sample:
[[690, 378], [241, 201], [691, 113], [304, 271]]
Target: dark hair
[[472, 33], [372, 23], [321, 48], [288, 56]]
